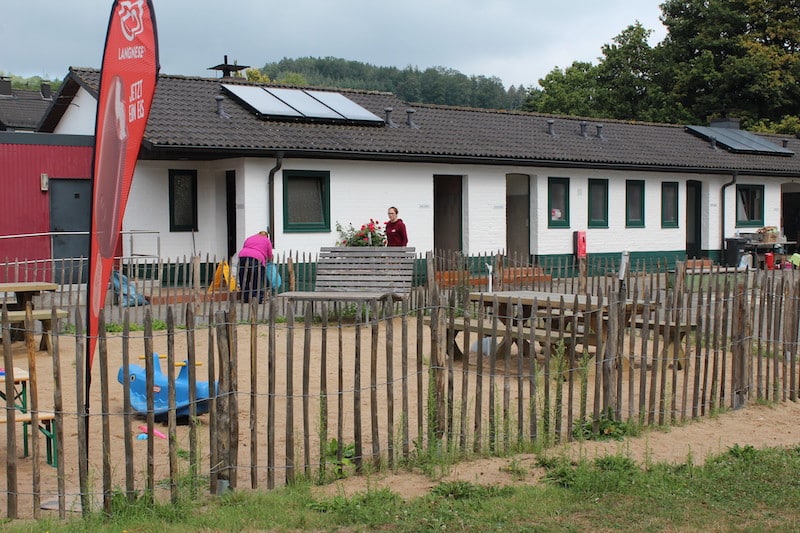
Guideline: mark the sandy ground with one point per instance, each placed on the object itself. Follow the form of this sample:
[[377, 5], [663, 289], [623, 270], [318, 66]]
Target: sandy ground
[[757, 425]]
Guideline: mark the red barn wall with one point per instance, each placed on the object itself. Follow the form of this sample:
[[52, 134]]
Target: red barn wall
[[24, 207]]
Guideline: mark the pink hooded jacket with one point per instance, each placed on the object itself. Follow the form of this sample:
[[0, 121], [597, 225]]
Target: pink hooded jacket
[[257, 246]]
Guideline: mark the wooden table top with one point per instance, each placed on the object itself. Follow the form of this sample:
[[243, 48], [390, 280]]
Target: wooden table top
[[28, 286], [541, 298], [20, 376], [337, 296]]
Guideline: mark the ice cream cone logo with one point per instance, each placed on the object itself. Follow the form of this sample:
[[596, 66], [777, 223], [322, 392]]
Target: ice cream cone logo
[[131, 18]]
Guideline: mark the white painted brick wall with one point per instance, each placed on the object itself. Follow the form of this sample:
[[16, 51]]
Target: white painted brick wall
[[364, 190]]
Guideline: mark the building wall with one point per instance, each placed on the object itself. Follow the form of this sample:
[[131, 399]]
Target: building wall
[[364, 190], [80, 115], [24, 206]]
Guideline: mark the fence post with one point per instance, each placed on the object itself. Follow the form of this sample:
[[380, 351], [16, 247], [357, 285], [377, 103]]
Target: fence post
[[223, 413], [740, 335], [437, 363]]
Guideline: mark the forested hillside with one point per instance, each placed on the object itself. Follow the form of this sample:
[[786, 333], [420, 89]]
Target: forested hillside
[[438, 85]]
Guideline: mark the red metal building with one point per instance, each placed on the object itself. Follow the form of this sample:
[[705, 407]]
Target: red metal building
[[28, 163]]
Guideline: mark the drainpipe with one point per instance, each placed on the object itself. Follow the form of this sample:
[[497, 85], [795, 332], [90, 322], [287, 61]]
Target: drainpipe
[[271, 192], [734, 175]]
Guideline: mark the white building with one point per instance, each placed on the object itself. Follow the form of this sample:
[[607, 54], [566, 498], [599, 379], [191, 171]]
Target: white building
[[223, 159]]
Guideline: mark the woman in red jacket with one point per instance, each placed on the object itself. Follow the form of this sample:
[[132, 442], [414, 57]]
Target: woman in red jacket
[[395, 230]]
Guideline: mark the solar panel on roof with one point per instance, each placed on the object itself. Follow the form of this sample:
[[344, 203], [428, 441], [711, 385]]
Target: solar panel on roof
[[261, 101], [304, 103], [740, 140], [277, 102], [345, 106]]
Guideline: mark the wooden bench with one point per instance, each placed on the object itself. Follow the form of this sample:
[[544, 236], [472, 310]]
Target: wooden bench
[[539, 334], [677, 334], [46, 426], [355, 273], [44, 316]]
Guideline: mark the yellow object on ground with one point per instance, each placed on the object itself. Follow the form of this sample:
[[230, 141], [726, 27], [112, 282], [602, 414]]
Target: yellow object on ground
[[222, 279]]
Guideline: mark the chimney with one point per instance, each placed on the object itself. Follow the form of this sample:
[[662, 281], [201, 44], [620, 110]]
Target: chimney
[[220, 111], [227, 69], [713, 142], [584, 124], [410, 119], [389, 122], [47, 93], [599, 131], [550, 127], [5, 87]]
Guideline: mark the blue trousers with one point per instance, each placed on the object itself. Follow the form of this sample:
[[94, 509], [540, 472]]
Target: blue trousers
[[252, 279]]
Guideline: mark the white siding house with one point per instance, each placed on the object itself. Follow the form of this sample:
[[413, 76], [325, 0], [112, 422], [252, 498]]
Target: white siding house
[[476, 181]]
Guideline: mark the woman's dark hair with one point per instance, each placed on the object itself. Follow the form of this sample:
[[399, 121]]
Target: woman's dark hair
[[396, 212]]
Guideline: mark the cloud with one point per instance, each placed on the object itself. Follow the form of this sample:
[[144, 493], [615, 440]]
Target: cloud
[[519, 41]]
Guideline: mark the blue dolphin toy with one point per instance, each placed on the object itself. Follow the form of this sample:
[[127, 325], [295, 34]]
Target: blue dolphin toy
[[138, 389]]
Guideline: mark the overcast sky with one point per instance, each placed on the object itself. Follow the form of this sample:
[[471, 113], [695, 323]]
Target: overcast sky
[[519, 41]]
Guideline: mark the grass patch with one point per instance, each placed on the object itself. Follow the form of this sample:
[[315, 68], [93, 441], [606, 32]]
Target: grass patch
[[743, 489]]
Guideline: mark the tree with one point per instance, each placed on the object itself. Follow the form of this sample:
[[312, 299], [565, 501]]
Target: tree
[[255, 75], [625, 83], [572, 91]]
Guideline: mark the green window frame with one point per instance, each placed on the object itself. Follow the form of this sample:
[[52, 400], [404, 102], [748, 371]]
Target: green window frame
[[182, 200], [669, 204], [634, 203], [749, 206], [598, 203], [306, 201], [558, 202]]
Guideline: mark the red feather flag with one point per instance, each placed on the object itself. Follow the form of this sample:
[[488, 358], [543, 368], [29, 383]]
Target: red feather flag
[[127, 85]]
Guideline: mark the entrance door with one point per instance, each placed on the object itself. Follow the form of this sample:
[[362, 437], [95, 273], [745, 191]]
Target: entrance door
[[230, 210], [70, 208], [790, 213], [693, 219], [518, 206], [447, 197]]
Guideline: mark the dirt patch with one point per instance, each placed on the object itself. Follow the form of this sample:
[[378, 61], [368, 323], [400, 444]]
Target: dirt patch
[[760, 426]]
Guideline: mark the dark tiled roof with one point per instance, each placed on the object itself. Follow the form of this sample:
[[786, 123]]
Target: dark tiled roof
[[184, 119], [22, 110]]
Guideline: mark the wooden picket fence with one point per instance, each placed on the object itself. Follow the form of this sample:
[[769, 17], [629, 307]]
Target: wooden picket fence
[[320, 390]]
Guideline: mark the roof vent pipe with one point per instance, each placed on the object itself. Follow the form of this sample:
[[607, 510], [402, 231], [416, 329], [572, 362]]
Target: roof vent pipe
[[599, 131], [389, 122], [5, 86], [410, 118], [221, 112], [785, 143], [551, 130], [584, 124], [713, 142]]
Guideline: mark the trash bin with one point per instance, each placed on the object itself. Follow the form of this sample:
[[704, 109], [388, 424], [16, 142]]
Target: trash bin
[[769, 261], [734, 249]]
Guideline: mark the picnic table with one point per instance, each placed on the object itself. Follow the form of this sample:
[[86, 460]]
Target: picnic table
[[17, 388], [24, 291], [571, 317]]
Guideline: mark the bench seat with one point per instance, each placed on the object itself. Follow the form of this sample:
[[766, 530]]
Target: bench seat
[[538, 333], [44, 316], [677, 334], [47, 426]]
